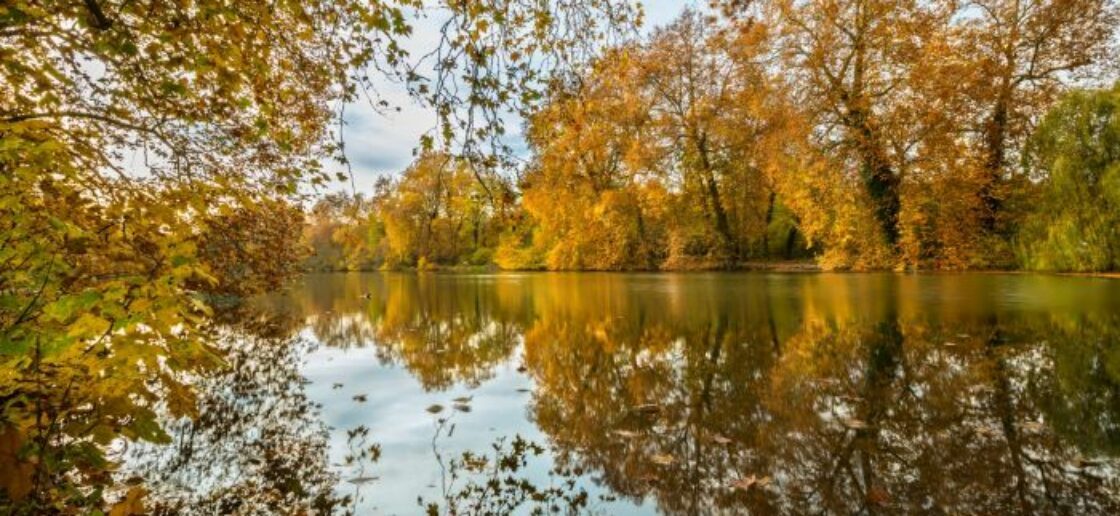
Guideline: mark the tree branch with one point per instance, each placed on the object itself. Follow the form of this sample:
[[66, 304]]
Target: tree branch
[[101, 22]]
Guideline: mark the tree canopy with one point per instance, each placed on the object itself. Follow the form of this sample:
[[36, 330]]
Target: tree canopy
[[860, 135]]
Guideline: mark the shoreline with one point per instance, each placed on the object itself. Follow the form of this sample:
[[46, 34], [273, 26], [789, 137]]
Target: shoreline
[[784, 267]]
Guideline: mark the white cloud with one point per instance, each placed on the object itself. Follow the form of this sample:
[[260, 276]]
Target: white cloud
[[382, 143]]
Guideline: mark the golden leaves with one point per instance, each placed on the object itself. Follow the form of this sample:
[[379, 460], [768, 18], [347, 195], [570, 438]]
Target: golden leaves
[[132, 504], [16, 475]]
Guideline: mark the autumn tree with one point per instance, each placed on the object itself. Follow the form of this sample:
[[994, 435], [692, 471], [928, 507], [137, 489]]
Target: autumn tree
[[438, 212], [344, 233], [720, 125], [251, 248], [122, 126], [590, 202], [688, 123], [1026, 53], [917, 114], [849, 62]]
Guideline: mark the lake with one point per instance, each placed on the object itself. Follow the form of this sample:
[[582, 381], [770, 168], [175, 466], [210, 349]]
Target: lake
[[696, 393]]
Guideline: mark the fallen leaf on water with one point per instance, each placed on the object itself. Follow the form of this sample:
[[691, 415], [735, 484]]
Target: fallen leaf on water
[[987, 430], [747, 483], [522, 369], [719, 439], [360, 398], [522, 390], [878, 496], [336, 386], [1082, 462], [463, 399], [662, 459], [435, 408], [461, 407], [362, 480]]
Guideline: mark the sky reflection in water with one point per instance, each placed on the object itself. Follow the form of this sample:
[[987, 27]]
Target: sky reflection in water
[[679, 393]]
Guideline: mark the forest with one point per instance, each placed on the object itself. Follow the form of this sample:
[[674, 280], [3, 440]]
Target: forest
[[854, 135]]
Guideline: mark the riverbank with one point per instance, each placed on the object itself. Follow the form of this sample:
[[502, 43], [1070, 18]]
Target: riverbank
[[781, 267]]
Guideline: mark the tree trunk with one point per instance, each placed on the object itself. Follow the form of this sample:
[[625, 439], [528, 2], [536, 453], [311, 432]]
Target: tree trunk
[[766, 227], [996, 135], [723, 226], [878, 176], [791, 239]]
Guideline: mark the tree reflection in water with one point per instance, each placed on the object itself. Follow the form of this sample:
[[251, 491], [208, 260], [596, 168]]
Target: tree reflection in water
[[256, 446], [707, 393], [780, 394]]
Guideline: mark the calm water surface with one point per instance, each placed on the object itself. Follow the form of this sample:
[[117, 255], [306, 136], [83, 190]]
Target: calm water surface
[[665, 393]]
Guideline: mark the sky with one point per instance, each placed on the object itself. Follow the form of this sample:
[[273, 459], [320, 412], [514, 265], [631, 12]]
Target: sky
[[382, 143]]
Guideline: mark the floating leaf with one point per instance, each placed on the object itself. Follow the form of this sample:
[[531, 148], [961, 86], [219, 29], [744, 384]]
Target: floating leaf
[[1082, 462], [745, 484], [878, 496], [720, 439], [363, 480], [662, 459], [628, 434], [434, 408]]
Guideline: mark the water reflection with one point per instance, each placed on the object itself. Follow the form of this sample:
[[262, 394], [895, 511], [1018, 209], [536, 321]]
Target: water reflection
[[255, 445], [795, 394], [624, 393]]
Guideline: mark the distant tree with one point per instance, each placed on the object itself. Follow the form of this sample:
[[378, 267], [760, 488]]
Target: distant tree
[[592, 203], [438, 213]]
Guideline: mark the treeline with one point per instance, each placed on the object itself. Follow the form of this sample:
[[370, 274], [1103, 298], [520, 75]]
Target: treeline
[[864, 135], [436, 213]]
